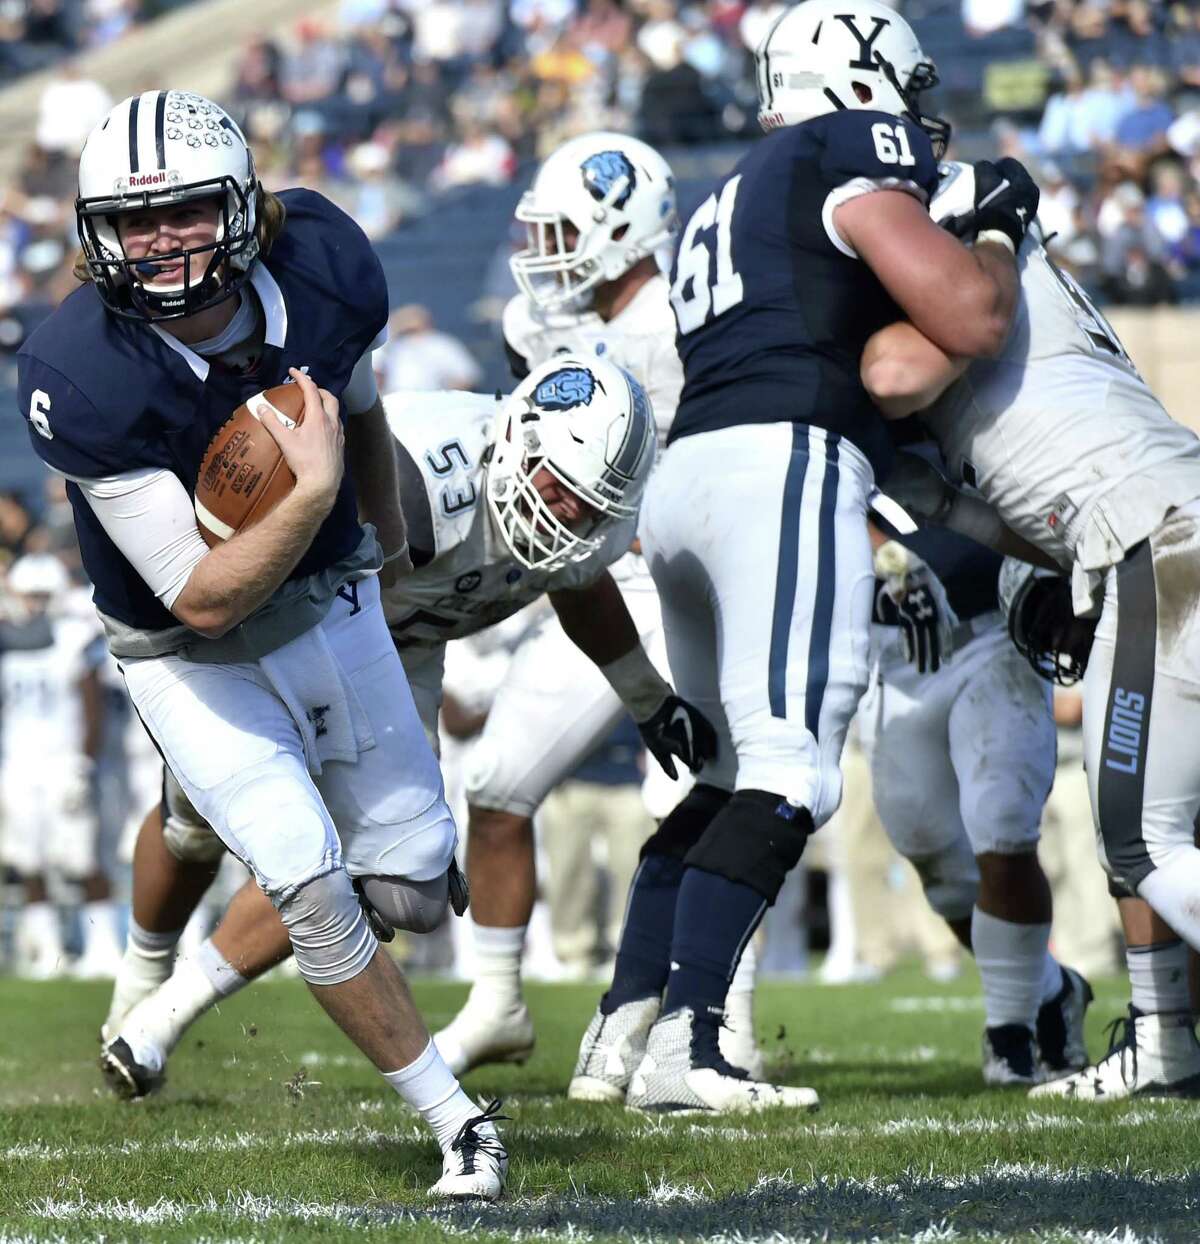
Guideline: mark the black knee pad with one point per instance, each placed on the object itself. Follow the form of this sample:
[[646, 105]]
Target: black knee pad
[[683, 826], [756, 839]]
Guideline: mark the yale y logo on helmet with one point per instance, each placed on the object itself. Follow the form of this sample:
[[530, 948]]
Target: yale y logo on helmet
[[161, 149]]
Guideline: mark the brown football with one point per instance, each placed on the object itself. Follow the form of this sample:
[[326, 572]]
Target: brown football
[[243, 475]]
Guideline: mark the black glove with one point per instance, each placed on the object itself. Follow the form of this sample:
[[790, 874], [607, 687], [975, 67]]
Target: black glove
[[922, 620], [678, 729], [1006, 198]]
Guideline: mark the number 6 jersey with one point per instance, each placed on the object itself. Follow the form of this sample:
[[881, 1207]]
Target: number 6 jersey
[[773, 307]]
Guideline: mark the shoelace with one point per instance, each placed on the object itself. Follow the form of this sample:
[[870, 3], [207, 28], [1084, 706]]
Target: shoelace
[[1122, 1036], [468, 1142]]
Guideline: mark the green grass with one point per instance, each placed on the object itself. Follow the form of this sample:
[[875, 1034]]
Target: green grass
[[273, 1128]]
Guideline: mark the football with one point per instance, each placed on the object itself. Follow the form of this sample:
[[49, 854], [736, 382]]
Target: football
[[243, 475]]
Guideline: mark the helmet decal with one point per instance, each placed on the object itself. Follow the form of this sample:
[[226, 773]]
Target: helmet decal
[[565, 389], [602, 171]]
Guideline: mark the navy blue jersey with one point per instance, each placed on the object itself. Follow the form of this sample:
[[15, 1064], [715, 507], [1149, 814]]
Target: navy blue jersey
[[105, 396], [772, 313]]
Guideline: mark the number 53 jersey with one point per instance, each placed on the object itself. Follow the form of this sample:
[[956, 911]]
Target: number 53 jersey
[[464, 577], [773, 307]]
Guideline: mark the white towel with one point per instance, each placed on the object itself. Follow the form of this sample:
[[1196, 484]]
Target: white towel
[[309, 680]]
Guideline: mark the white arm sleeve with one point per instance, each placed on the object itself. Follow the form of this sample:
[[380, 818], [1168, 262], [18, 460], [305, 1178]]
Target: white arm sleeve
[[361, 390], [148, 515]]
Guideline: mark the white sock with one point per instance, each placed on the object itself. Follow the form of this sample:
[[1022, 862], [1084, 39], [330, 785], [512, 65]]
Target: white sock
[[1012, 966], [99, 925], [153, 1028], [39, 936], [739, 1001], [1052, 979], [1158, 977], [430, 1088], [147, 962], [498, 966]]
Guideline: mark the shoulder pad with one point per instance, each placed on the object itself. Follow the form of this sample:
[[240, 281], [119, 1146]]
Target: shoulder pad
[[879, 146]]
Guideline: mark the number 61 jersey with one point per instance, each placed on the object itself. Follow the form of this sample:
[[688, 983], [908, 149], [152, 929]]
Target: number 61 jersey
[[464, 577], [773, 307]]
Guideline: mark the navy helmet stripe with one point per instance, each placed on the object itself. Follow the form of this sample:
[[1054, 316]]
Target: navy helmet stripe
[[785, 574], [822, 616], [160, 112], [134, 165]]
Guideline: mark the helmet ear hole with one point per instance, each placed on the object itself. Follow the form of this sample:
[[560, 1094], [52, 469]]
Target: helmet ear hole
[[620, 231], [864, 92]]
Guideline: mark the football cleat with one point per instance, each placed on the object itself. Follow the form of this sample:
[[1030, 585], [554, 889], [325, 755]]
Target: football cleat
[[475, 1165], [478, 1035], [1148, 1056], [739, 1046], [610, 1051], [678, 1075], [128, 1078], [1009, 1056], [1059, 1032]]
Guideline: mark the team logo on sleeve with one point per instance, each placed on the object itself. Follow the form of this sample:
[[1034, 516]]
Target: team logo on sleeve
[[565, 389], [602, 171]]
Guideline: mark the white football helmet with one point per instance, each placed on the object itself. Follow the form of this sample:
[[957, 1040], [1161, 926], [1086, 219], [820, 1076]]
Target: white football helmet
[[590, 425], [825, 55], [1036, 603], [617, 193], [155, 149]]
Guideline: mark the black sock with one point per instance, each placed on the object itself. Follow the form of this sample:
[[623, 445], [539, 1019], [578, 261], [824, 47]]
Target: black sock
[[714, 919], [644, 955]]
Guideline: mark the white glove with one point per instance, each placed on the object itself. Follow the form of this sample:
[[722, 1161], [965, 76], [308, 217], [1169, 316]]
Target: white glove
[[912, 597]]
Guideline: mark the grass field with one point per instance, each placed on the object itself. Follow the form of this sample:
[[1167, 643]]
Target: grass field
[[273, 1128]]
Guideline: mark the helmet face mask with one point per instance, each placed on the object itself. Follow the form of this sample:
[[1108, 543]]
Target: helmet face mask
[[597, 206], [826, 56], [200, 154], [587, 425]]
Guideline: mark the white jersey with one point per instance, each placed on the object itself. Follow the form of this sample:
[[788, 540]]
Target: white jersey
[[639, 338], [465, 578], [41, 707], [1060, 433]]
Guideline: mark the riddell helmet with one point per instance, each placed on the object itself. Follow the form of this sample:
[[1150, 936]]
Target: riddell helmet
[[587, 422], [158, 149], [1042, 623], [825, 55], [617, 193]]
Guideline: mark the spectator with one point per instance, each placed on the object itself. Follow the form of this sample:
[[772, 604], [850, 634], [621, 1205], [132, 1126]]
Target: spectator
[[421, 358], [1144, 126], [479, 155], [312, 71], [1140, 282], [71, 106]]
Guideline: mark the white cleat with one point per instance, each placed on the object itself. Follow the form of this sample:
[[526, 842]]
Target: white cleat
[[670, 1080], [1148, 1056], [478, 1035], [475, 1165], [610, 1051]]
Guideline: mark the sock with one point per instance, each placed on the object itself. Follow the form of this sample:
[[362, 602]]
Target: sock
[[99, 927], [1012, 963], [644, 955], [154, 1027], [498, 966], [430, 1088], [1053, 980], [147, 962], [1158, 977], [714, 920], [739, 1000], [39, 941]]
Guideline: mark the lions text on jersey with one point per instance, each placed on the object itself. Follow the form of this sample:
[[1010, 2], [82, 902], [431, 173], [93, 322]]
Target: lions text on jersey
[[105, 396], [773, 307]]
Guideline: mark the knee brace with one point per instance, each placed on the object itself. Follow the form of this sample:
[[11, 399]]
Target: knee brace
[[392, 903], [330, 936], [186, 834], [684, 825], [756, 839], [950, 879]]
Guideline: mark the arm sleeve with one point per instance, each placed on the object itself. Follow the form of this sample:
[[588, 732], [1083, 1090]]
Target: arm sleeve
[[148, 515]]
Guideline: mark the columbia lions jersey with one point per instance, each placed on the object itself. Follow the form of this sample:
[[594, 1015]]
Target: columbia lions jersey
[[1061, 434], [105, 396], [773, 308], [41, 710], [639, 338], [464, 578]]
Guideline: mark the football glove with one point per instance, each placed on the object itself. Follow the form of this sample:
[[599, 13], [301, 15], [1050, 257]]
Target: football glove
[[910, 596], [677, 730], [1006, 198]]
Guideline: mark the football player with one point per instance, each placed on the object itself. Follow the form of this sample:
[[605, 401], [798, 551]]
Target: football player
[[962, 759], [262, 667], [598, 213], [754, 523], [505, 503], [1078, 458]]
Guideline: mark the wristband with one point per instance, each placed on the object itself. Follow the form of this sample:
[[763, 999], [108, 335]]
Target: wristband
[[999, 236], [641, 687]]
